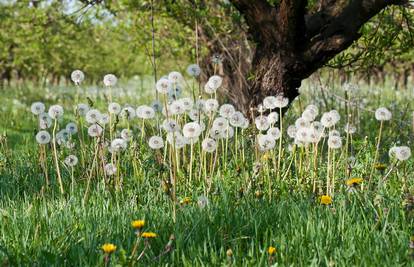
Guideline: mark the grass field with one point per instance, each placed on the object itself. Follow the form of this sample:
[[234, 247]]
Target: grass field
[[226, 211]]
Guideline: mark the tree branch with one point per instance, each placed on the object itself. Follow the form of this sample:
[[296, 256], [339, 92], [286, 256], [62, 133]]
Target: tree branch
[[291, 22], [332, 29], [260, 16]]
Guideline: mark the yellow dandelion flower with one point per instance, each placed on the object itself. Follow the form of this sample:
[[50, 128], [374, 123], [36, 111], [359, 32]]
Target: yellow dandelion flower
[[137, 224], [271, 250], [148, 235], [108, 248], [229, 252], [265, 156], [326, 200], [380, 166], [354, 181], [185, 201]]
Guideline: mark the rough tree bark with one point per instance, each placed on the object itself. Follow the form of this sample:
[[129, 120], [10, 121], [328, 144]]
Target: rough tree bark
[[293, 42]]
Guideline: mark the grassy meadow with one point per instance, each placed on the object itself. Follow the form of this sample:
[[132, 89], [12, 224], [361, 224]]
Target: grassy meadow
[[339, 197]]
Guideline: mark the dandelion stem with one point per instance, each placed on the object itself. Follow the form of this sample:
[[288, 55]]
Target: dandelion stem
[[56, 159]]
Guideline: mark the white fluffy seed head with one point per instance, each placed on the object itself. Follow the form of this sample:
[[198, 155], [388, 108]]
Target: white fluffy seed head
[[349, 128], [95, 130], [401, 153], [175, 77], [194, 70], [209, 145], [37, 108], [118, 145], [93, 116], [291, 131], [156, 142], [269, 102], [274, 132], [191, 130], [211, 105], [237, 119], [273, 117], [82, 109], [266, 142], [110, 169], [281, 101], [128, 113], [226, 110], [145, 112], [262, 123], [110, 80], [71, 161], [170, 125], [334, 142], [43, 137], [114, 108], [55, 112], [72, 128], [383, 114], [163, 85], [77, 76], [126, 134], [214, 82]]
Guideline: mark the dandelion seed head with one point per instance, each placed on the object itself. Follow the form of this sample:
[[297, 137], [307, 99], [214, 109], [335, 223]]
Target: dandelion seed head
[[334, 142], [383, 114], [281, 101], [110, 169], [71, 161], [37, 108], [77, 76], [262, 123], [156, 142], [72, 128], [266, 142], [93, 116], [43, 137], [145, 112], [114, 108], [211, 105], [110, 80], [220, 123], [170, 125], [128, 113], [95, 130], [274, 132], [55, 112], [163, 85], [269, 102], [209, 145], [191, 130], [126, 134], [273, 117], [82, 109], [237, 119], [194, 70], [175, 77]]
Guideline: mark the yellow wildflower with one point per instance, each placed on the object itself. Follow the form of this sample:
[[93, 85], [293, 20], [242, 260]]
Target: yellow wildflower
[[271, 250], [148, 235], [380, 166], [108, 248], [265, 156], [137, 224], [326, 200], [354, 181], [185, 201]]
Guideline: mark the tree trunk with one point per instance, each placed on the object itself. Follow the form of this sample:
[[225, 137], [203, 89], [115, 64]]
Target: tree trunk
[[276, 73], [293, 42]]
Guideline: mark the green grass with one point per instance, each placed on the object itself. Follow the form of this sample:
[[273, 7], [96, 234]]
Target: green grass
[[40, 227]]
